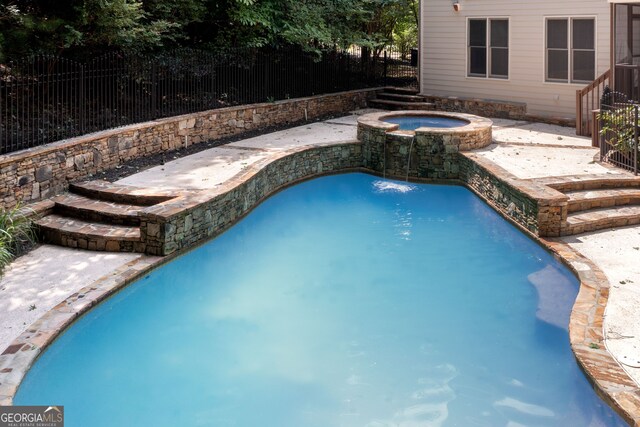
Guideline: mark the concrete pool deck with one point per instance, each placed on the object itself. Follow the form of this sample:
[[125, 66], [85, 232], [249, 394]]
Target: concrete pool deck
[[527, 150]]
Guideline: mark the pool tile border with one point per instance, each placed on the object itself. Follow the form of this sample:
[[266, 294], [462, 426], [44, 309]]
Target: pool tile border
[[16, 359], [586, 334], [608, 377]]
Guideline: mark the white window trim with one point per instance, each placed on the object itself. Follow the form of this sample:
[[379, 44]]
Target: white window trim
[[579, 83], [488, 35]]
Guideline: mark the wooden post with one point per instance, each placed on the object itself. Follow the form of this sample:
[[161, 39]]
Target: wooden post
[[595, 129], [579, 130]]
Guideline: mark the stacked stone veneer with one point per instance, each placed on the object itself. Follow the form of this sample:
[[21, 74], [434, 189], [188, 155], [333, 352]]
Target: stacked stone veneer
[[192, 217], [479, 106], [536, 207], [433, 151], [494, 108], [42, 172], [444, 154]]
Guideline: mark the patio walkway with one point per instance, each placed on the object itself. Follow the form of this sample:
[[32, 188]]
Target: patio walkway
[[526, 150]]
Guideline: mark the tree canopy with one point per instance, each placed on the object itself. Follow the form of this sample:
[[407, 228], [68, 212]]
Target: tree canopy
[[78, 27]]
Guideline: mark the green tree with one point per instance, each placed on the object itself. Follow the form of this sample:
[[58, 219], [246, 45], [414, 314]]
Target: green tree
[[94, 26]]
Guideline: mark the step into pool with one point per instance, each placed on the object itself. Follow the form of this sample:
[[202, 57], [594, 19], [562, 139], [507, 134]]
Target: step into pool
[[346, 300]]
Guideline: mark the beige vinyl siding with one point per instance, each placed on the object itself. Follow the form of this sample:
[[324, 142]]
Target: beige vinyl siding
[[443, 65]]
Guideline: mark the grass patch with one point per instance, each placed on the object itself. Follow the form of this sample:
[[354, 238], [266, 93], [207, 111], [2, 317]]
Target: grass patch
[[17, 234]]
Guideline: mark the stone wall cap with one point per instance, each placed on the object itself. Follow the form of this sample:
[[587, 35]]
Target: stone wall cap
[[20, 155]]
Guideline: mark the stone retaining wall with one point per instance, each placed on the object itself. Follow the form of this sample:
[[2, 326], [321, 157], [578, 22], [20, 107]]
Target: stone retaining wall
[[433, 151], [184, 221], [536, 207], [495, 108], [42, 172], [479, 106], [194, 216]]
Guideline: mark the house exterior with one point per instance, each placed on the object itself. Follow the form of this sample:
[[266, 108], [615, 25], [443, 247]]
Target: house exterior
[[625, 57], [536, 52]]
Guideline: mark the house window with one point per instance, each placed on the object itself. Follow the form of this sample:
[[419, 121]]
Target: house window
[[488, 48], [570, 50]]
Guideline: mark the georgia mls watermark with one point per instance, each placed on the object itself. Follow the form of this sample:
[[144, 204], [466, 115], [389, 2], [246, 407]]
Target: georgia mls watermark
[[31, 416]]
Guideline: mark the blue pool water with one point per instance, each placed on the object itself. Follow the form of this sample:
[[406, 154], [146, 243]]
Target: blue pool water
[[343, 301], [415, 122]]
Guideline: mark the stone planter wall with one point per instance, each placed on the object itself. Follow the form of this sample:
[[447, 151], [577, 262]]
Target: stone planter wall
[[42, 172]]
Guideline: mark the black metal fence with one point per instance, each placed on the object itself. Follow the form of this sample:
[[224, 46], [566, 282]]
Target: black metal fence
[[49, 98], [619, 133]]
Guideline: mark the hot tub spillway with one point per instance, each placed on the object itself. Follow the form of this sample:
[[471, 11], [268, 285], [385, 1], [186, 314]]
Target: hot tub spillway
[[388, 149], [409, 158]]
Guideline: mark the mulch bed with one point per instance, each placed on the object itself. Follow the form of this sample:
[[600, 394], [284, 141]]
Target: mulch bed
[[138, 165]]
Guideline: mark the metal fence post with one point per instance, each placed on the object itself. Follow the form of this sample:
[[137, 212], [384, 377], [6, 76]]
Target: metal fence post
[[384, 73], [154, 90], [83, 100], [635, 140]]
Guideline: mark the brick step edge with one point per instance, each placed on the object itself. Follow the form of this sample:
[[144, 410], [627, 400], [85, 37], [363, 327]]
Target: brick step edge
[[57, 230], [84, 208], [397, 105], [401, 90], [621, 197], [585, 183], [106, 191], [577, 224], [400, 97]]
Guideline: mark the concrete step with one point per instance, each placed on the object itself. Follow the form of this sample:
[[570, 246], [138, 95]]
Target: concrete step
[[76, 233], [387, 104], [584, 200], [81, 207], [126, 194], [599, 219], [400, 97], [582, 183], [401, 90]]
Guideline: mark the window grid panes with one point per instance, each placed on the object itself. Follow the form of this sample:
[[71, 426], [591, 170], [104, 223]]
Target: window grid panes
[[570, 50], [488, 48], [478, 47]]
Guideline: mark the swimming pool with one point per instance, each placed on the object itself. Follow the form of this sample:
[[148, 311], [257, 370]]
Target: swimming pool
[[342, 301], [415, 122]]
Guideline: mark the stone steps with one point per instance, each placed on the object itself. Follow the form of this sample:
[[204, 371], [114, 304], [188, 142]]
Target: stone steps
[[584, 200], [387, 104], [77, 233], [599, 219], [400, 90], [597, 201], [81, 207], [107, 191], [592, 182], [99, 215], [400, 97]]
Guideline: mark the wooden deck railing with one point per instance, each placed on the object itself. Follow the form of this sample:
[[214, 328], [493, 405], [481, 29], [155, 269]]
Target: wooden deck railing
[[587, 100]]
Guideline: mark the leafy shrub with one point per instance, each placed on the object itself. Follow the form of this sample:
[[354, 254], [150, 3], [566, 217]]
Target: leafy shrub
[[17, 234], [618, 127]]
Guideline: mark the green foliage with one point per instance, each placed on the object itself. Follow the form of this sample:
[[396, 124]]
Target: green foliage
[[97, 26], [618, 126], [120, 23], [17, 234]]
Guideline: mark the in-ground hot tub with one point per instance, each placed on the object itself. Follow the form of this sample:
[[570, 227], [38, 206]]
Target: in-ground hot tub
[[412, 123], [420, 144]]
